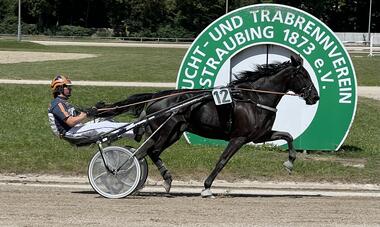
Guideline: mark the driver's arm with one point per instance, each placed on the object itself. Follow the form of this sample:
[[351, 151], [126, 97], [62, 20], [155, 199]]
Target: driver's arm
[[72, 121]]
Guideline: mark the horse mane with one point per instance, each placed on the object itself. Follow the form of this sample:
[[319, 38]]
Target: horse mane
[[260, 71]]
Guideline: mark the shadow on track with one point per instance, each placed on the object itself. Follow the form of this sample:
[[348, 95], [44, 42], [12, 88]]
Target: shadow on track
[[193, 194]]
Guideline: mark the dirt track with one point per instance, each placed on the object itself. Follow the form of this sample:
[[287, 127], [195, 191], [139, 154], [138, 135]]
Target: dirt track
[[11, 57], [23, 205]]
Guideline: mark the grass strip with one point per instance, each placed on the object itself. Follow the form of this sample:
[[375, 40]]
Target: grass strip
[[111, 63], [130, 64]]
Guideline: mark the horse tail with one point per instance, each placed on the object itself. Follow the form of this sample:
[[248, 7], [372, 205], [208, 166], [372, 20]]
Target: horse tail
[[134, 105]]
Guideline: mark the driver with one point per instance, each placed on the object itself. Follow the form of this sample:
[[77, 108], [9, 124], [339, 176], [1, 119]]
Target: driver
[[67, 122]]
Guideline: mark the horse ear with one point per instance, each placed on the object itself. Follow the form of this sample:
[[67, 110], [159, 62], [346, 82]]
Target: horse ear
[[296, 60], [300, 60], [293, 61]]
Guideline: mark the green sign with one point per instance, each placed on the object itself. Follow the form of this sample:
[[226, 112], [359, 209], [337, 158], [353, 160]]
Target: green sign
[[244, 35]]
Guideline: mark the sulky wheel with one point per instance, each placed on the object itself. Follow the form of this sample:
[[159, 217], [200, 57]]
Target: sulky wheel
[[144, 170], [144, 173], [122, 176]]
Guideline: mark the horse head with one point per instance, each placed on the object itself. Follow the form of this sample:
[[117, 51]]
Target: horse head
[[301, 82]]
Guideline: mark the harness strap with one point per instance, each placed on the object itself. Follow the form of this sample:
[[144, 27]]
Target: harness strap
[[266, 107]]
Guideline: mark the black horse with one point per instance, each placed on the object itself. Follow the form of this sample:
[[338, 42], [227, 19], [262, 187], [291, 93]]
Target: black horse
[[249, 118]]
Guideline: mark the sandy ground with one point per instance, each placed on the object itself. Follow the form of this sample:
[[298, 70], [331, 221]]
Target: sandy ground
[[51, 200], [26, 205], [9, 57], [369, 92]]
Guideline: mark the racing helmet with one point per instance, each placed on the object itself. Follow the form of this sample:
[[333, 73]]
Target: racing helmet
[[58, 83]]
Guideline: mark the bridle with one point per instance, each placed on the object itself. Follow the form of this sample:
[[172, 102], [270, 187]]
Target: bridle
[[306, 92]]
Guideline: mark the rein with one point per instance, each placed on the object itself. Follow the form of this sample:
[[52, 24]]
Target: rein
[[150, 100], [267, 92], [194, 91]]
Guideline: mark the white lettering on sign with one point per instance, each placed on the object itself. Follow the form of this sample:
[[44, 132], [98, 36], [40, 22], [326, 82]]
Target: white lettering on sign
[[298, 32], [345, 90], [300, 41], [191, 69], [300, 38], [226, 27]]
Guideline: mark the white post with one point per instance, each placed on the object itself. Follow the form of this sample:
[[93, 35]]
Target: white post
[[370, 46], [369, 20], [226, 6], [19, 21]]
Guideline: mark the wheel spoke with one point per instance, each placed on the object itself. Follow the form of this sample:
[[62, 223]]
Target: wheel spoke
[[109, 160], [116, 156], [126, 170], [126, 183], [100, 175], [127, 161]]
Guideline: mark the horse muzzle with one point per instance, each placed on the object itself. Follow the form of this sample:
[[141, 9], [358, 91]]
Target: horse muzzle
[[310, 95], [311, 100]]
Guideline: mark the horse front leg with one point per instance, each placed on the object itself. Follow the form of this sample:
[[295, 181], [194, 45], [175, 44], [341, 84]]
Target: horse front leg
[[276, 135], [233, 146]]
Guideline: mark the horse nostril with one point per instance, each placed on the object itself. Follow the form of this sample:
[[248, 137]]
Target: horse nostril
[[316, 98]]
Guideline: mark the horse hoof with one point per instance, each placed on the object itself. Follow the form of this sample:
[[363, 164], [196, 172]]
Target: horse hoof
[[167, 185], [206, 193], [288, 166]]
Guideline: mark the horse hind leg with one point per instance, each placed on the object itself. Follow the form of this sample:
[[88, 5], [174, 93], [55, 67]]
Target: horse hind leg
[[154, 154], [177, 128], [233, 146], [163, 171], [153, 149]]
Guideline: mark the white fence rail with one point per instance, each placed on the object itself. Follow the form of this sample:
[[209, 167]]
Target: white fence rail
[[348, 38], [103, 39], [352, 38]]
